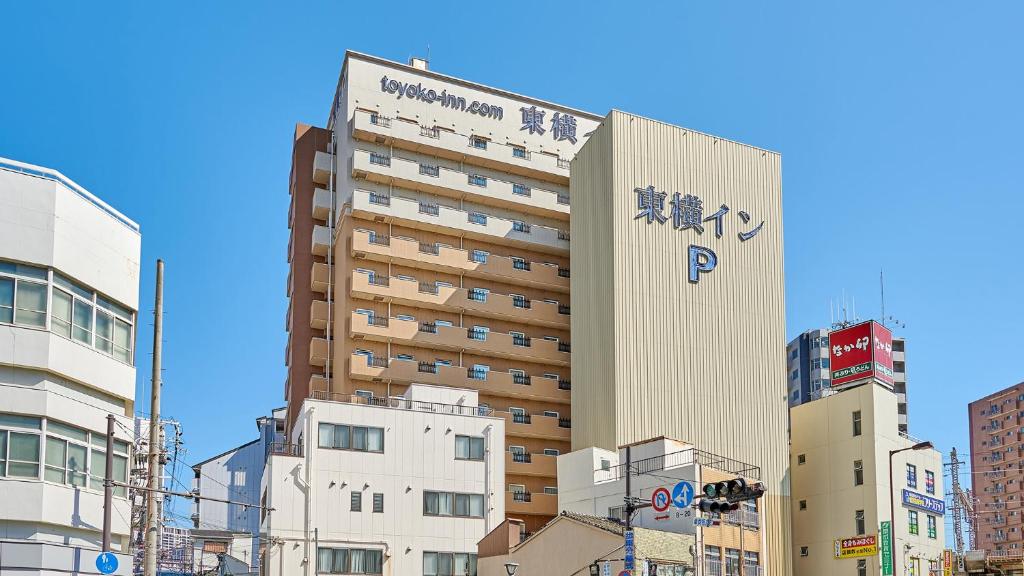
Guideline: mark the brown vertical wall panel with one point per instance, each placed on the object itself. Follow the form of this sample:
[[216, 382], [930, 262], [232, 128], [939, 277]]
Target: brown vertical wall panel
[[654, 354]]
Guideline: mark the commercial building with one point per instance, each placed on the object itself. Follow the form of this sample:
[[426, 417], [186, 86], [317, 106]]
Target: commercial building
[[430, 244], [997, 484], [841, 449], [236, 475], [404, 485], [593, 482], [572, 543], [69, 290], [807, 366], [678, 301]]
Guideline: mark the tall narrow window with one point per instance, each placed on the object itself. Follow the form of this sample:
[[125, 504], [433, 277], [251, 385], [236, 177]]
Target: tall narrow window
[[357, 501], [912, 521], [31, 304], [858, 472], [856, 423], [7, 300], [929, 481], [378, 503], [60, 321], [911, 476], [858, 521]]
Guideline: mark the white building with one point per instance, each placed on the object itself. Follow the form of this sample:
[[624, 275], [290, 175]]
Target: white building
[[399, 486], [592, 482], [69, 290], [236, 475], [840, 449]]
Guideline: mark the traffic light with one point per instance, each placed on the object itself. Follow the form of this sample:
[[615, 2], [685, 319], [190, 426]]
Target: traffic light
[[735, 490], [717, 506]]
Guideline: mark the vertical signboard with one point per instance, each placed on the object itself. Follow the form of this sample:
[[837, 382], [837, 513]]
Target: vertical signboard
[[860, 353], [885, 535], [947, 562], [629, 560]]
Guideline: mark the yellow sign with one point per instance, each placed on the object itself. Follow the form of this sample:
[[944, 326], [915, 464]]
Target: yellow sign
[[857, 547], [947, 562]]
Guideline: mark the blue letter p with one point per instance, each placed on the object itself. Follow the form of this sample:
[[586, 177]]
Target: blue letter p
[[702, 260]]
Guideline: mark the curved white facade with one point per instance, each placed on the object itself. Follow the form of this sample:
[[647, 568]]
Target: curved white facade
[[69, 288]]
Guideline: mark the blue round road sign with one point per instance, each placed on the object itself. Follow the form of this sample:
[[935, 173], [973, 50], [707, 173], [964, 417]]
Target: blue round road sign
[[682, 494], [106, 563]]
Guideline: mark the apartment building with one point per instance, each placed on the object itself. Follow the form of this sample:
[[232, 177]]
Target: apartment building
[[405, 485], [69, 289], [997, 479], [845, 448], [430, 244], [593, 483], [808, 372]]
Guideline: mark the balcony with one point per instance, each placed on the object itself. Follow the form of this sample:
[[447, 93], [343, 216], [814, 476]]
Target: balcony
[[450, 299], [320, 277], [322, 163], [321, 204], [318, 351], [535, 426], [406, 252], [317, 383], [373, 206], [435, 179], [321, 240], [491, 383], [318, 315], [526, 464], [436, 142], [537, 503], [454, 338]]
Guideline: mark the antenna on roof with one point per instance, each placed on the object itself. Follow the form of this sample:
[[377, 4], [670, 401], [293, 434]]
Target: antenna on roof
[[887, 320]]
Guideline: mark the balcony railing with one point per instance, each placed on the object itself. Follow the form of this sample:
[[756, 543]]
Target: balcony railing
[[477, 218], [563, 199], [521, 379], [429, 248], [403, 404], [565, 423], [521, 497], [285, 449], [430, 209], [382, 121], [428, 327], [523, 341], [430, 170], [380, 321], [380, 199], [477, 295], [376, 280], [376, 362], [521, 264], [476, 373], [564, 347], [428, 288], [521, 418], [521, 457], [564, 385], [380, 159], [520, 302], [563, 309], [431, 132], [380, 239], [427, 367], [474, 334], [563, 272], [518, 226], [563, 163]]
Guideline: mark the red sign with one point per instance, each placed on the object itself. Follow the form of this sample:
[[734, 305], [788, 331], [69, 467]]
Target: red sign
[[661, 499], [861, 352]]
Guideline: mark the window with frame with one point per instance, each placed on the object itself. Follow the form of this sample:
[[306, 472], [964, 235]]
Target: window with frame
[[92, 319], [453, 504], [19, 446], [933, 529], [911, 476], [732, 562], [858, 472], [912, 521], [469, 448], [929, 481], [862, 567], [449, 564], [357, 438], [98, 464], [378, 503], [858, 521], [856, 423], [349, 561], [356, 501], [23, 291], [67, 454]]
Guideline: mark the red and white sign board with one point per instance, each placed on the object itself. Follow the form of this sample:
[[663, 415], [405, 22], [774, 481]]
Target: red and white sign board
[[661, 499], [861, 353]]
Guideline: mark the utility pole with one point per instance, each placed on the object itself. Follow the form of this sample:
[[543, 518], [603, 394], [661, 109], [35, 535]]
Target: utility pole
[[108, 487], [629, 493], [153, 479]]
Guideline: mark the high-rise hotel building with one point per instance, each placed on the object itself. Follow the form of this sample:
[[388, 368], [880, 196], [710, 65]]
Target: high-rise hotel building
[[430, 244]]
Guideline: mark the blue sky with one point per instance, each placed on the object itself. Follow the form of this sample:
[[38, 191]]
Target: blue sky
[[898, 123]]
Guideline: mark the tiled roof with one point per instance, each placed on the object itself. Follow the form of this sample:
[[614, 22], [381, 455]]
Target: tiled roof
[[605, 524]]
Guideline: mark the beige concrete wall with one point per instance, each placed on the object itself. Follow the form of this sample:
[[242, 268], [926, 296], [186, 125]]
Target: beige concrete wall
[[654, 354]]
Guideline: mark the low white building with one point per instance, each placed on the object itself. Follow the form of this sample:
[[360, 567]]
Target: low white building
[[236, 475], [399, 486], [69, 291], [592, 482]]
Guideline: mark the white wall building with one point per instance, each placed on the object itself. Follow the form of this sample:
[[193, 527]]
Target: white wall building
[[399, 486], [592, 481], [236, 475], [69, 289]]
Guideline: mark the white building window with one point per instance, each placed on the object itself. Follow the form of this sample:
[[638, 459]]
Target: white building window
[[349, 561], [344, 437], [453, 504], [449, 564], [469, 448], [19, 446]]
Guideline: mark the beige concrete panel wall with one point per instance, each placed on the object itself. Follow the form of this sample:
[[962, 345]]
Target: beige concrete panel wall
[[699, 362], [592, 290]]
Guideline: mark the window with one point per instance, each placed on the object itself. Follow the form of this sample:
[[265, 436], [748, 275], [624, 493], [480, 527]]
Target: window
[[858, 521], [520, 226], [357, 501], [933, 528], [793, 353], [732, 562], [478, 180], [929, 481], [551, 489], [801, 458], [816, 364], [477, 218], [344, 437], [520, 190], [862, 567], [19, 451], [98, 464], [858, 472], [66, 455], [912, 521], [478, 294], [551, 413], [449, 564], [606, 464], [518, 152], [349, 561], [803, 504], [478, 142], [911, 476], [856, 423], [453, 504], [479, 256], [378, 503], [551, 452], [469, 448], [750, 562], [794, 375], [804, 551]]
